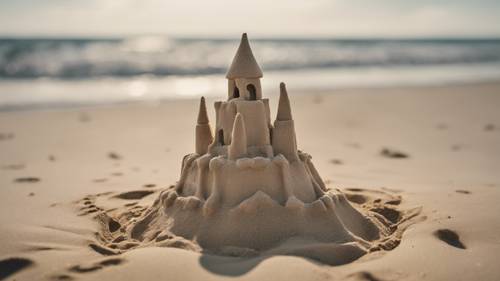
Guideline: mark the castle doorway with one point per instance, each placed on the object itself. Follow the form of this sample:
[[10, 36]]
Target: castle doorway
[[252, 92], [220, 136], [236, 92]]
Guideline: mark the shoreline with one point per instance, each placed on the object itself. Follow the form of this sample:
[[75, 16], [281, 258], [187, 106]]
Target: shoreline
[[273, 94]]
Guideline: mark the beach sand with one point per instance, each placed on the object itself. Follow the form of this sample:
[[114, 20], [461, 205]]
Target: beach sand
[[436, 147]]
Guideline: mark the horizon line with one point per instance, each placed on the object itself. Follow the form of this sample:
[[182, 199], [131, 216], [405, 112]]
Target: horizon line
[[258, 37]]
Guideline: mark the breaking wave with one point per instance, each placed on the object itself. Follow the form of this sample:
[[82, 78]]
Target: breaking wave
[[162, 56]]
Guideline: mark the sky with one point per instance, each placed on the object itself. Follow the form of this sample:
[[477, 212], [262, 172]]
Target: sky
[[261, 18]]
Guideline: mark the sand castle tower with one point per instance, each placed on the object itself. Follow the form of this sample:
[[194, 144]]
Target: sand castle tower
[[248, 154], [247, 189]]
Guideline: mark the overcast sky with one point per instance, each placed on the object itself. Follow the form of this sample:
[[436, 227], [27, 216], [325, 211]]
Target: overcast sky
[[261, 18]]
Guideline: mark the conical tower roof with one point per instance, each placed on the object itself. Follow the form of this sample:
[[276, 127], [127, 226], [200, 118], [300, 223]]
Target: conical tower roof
[[244, 64], [284, 109], [202, 112]]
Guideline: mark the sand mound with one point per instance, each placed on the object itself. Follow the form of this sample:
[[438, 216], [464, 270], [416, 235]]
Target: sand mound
[[335, 229]]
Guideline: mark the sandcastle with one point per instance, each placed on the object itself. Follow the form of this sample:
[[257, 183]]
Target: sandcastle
[[249, 158], [248, 190]]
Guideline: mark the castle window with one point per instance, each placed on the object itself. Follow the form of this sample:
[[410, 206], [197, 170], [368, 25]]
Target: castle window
[[252, 92], [236, 92], [220, 137]]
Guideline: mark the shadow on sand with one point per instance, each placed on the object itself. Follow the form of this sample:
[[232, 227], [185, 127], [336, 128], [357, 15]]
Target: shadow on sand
[[229, 266], [235, 266]]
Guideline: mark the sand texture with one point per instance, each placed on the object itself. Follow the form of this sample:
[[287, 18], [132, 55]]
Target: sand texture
[[413, 175], [328, 230]]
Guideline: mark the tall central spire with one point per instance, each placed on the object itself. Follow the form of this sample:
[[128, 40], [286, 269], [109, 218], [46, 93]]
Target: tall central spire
[[244, 64]]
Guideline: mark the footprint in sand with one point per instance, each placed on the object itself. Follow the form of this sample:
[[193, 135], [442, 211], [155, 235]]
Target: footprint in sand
[[10, 266], [84, 117], [96, 266], [134, 195], [364, 275], [450, 237], [392, 153], [489, 127], [6, 136], [27, 180], [114, 156], [336, 162]]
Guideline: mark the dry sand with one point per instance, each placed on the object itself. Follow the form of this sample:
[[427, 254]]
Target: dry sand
[[437, 147]]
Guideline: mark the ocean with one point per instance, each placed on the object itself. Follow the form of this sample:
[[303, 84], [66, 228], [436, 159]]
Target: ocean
[[42, 72]]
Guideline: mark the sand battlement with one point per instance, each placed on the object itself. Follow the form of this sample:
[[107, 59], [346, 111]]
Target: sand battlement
[[248, 154]]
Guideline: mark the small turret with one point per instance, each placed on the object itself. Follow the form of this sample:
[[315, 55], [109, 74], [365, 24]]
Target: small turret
[[244, 74], [203, 131], [202, 112], [284, 141], [238, 146], [284, 109]]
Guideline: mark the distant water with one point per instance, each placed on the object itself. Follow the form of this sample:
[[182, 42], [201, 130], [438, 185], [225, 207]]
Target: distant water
[[45, 72]]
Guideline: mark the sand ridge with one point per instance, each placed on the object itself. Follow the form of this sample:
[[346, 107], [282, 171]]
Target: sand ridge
[[128, 223]]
